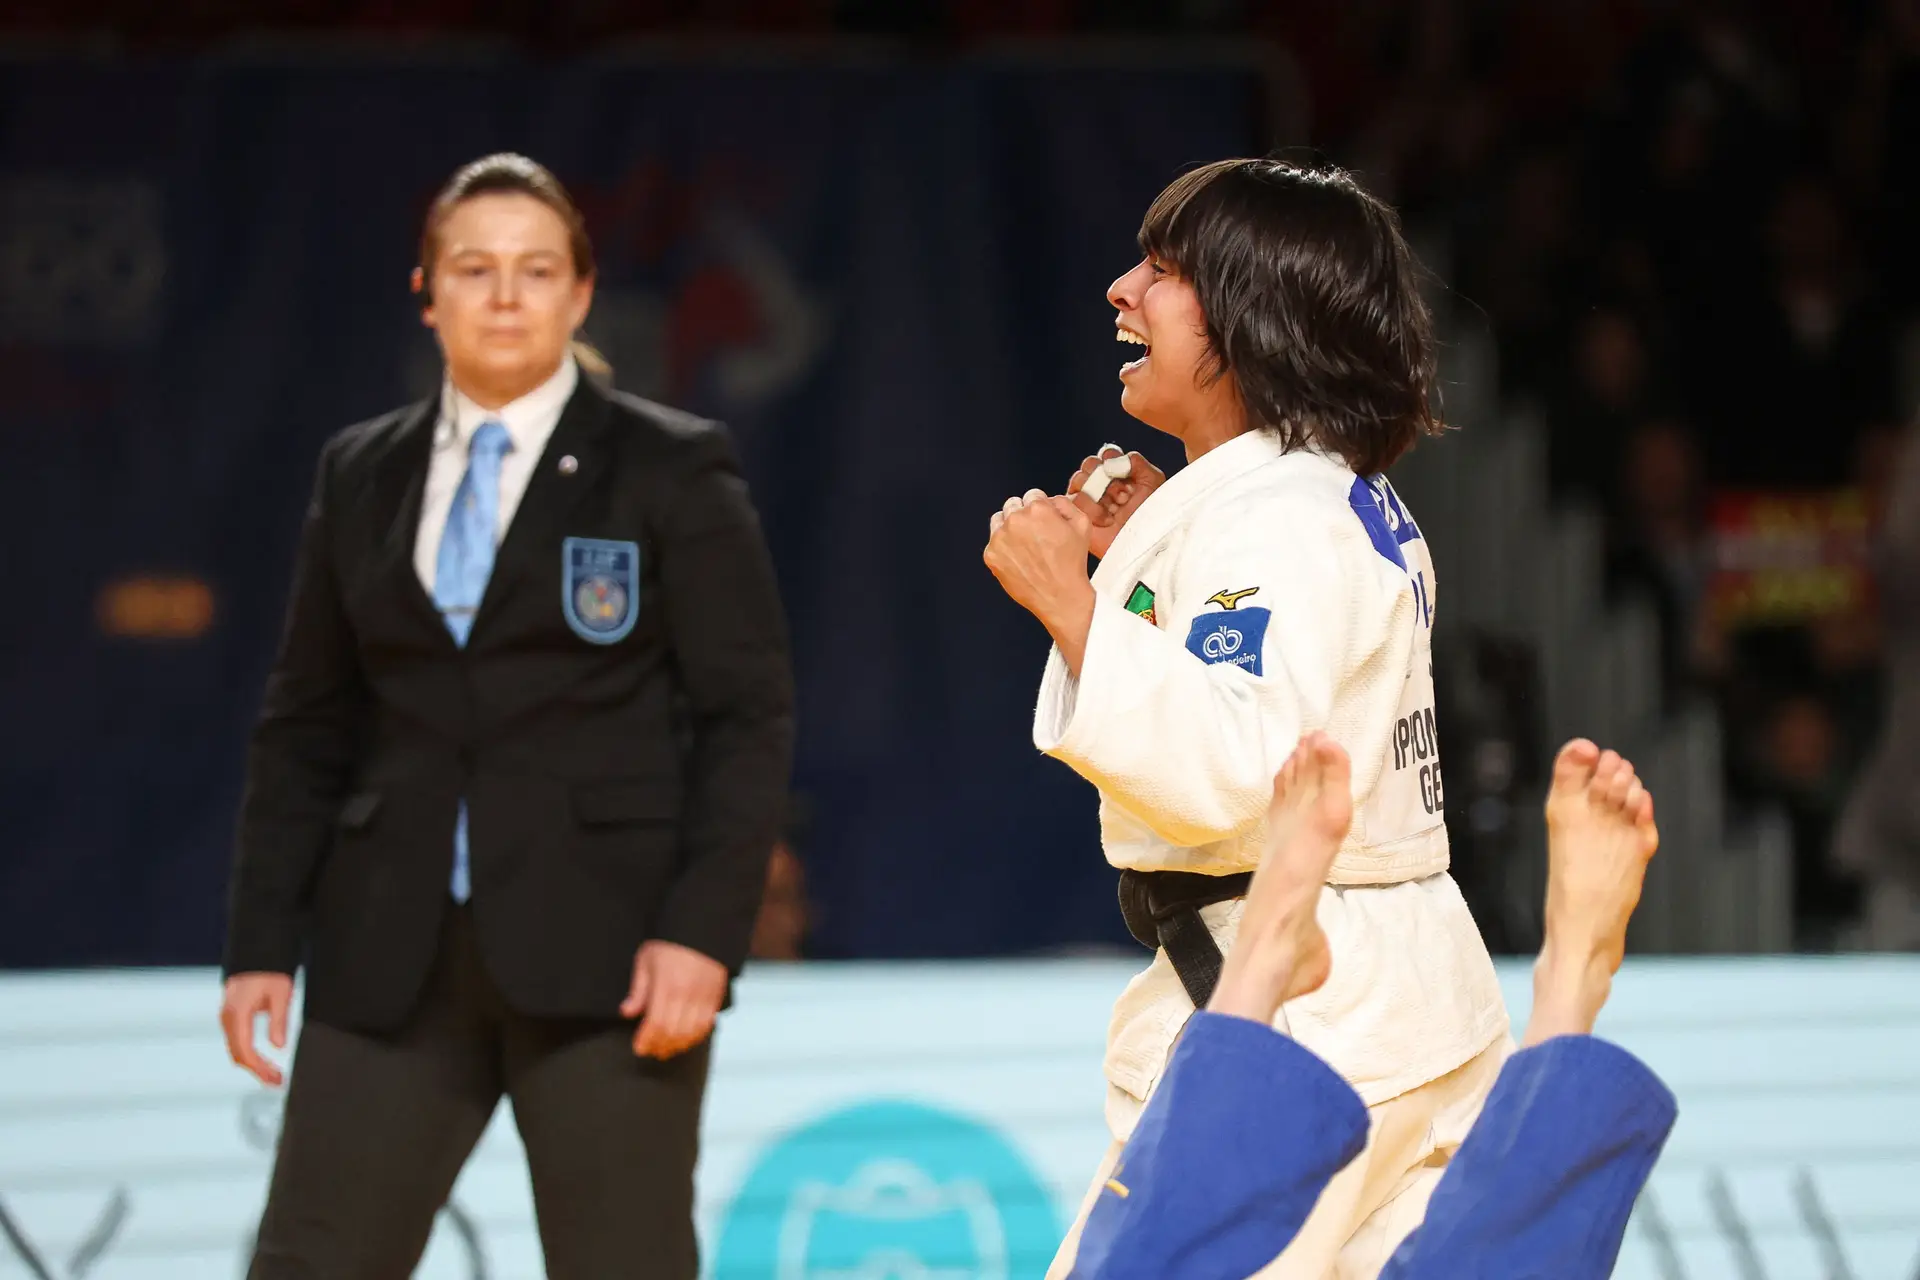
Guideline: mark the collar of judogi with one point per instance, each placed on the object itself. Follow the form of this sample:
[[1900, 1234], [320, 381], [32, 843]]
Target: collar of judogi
[[1173, 503]]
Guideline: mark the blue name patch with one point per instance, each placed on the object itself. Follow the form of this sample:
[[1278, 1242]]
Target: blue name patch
[[1234, 638], [1388, 525]]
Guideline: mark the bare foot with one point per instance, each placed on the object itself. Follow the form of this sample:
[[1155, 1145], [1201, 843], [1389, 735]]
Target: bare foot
[[1281, 952], [1600, 835]]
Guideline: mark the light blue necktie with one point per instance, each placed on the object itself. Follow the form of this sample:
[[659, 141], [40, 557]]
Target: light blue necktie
[[461, 573]]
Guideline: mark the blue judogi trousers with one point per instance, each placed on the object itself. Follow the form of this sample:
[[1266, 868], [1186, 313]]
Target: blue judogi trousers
[[1247, 1127]]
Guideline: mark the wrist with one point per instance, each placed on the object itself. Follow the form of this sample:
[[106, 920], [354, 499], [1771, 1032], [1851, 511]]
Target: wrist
[[1072, 617], [1070, 624]]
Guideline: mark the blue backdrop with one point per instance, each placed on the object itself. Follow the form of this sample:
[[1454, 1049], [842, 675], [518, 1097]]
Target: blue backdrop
[[888, 278]]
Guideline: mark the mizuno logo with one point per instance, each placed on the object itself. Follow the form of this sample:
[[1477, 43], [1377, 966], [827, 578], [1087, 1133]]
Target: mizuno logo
[[1232, 599]]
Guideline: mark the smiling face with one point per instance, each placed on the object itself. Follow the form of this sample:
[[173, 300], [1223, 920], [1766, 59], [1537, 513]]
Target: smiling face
[[506, 298], [1281, 299], [1171, 385]]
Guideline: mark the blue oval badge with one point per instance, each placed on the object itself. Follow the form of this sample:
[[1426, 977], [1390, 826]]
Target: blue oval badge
[[600, 588], [889, 1189]]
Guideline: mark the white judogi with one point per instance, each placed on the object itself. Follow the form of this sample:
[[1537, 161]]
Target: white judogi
[[1258, 595]]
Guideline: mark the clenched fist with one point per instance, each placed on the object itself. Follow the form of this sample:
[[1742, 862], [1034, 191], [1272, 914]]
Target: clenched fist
[[1037, 547]]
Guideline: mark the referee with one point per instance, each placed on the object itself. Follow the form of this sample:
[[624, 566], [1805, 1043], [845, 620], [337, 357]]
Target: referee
[[522, 756]]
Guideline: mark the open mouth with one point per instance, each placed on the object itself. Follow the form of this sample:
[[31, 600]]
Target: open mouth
[[1128, 336]]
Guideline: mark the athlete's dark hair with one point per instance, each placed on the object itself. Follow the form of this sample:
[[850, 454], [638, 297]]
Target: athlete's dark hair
[[1312, 302]]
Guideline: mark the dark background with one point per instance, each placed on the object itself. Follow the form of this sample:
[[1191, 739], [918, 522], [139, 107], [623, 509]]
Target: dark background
[[875, 238]]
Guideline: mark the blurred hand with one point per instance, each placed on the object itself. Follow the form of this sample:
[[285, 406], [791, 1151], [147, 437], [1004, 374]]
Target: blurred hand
[[1122, 498], [247, 996], [676, 994]]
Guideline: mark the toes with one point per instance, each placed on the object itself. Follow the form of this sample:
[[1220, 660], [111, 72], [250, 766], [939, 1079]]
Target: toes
[[1605, 770], [1620, 786], [1631, 801], [1573, 767], [1329, 761], [1284, 780], [1642, 815]]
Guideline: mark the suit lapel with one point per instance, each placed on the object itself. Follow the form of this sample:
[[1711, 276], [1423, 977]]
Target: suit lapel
[[546, 509], [400, 490]]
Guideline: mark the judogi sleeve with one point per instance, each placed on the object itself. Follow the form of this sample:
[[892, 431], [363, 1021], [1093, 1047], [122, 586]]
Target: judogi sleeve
[[1548, 1175], [1244, 1132], [1186, 730]]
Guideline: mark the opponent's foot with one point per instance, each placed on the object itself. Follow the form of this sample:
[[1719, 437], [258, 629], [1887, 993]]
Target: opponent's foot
[[1600, 835], [1281, 952]]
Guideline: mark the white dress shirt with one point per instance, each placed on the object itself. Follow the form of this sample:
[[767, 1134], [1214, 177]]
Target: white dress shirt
[[529, 421]]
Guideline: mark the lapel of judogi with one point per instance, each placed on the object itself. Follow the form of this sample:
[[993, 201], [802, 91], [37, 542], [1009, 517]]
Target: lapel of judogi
[[1173, 504]]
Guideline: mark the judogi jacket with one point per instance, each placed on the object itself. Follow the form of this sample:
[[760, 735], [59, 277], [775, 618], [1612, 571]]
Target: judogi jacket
[[1255, 596]]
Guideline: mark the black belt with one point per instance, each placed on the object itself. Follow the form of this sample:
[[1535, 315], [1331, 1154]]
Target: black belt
[[1162, 909]]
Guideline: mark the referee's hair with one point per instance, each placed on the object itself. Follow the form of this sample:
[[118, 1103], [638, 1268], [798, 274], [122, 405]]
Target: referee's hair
[[505, 173], [1312, 302]]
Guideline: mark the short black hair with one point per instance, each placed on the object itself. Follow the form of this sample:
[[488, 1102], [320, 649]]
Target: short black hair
[[1312, 301]]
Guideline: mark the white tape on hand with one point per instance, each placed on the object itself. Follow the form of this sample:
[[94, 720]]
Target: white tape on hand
[[1109, 470]]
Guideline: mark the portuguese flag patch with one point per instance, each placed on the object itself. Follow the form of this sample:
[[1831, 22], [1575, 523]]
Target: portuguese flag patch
[[1141, 602]]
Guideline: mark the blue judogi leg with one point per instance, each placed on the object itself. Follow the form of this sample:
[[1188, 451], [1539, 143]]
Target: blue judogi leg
[[1236, 1145], [1547, 1177]]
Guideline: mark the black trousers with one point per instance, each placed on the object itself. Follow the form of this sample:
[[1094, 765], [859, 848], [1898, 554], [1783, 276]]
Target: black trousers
[[377, 1128]]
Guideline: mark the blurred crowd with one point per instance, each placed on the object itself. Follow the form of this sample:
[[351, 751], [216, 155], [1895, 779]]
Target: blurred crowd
[[1691, 228]]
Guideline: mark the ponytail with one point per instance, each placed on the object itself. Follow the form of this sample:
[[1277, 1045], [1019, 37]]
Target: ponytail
[[592, 363]]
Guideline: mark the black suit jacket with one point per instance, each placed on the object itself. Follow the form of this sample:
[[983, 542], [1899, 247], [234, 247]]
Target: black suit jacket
[[616, 792]]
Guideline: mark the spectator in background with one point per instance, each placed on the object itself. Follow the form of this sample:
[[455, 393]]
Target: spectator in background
[[1607, 389], [780, 929], [1879, 834], [1802, 766], [1521, 270], [1824, 341], [1657, 545]]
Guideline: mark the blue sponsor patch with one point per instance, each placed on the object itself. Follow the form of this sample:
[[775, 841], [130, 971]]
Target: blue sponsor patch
[[600, 588], [1234, 638], [1385, 517]]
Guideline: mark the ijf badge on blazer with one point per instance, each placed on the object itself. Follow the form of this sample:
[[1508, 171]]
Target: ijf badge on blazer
[[600, 588]]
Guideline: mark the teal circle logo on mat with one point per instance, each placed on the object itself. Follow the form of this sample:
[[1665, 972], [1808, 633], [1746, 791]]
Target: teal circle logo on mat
[[889, 1191]]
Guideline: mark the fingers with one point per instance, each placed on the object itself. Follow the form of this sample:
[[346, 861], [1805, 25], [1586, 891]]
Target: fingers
[[674, 1026], [671, 1033], [1066, 507], [641, 988], [1095, 512], [237, 1018], [1088, 465], [684, 990], [277, 1001]]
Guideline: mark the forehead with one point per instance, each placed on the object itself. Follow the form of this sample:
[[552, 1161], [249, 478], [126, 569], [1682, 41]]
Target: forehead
[[503, 222]]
